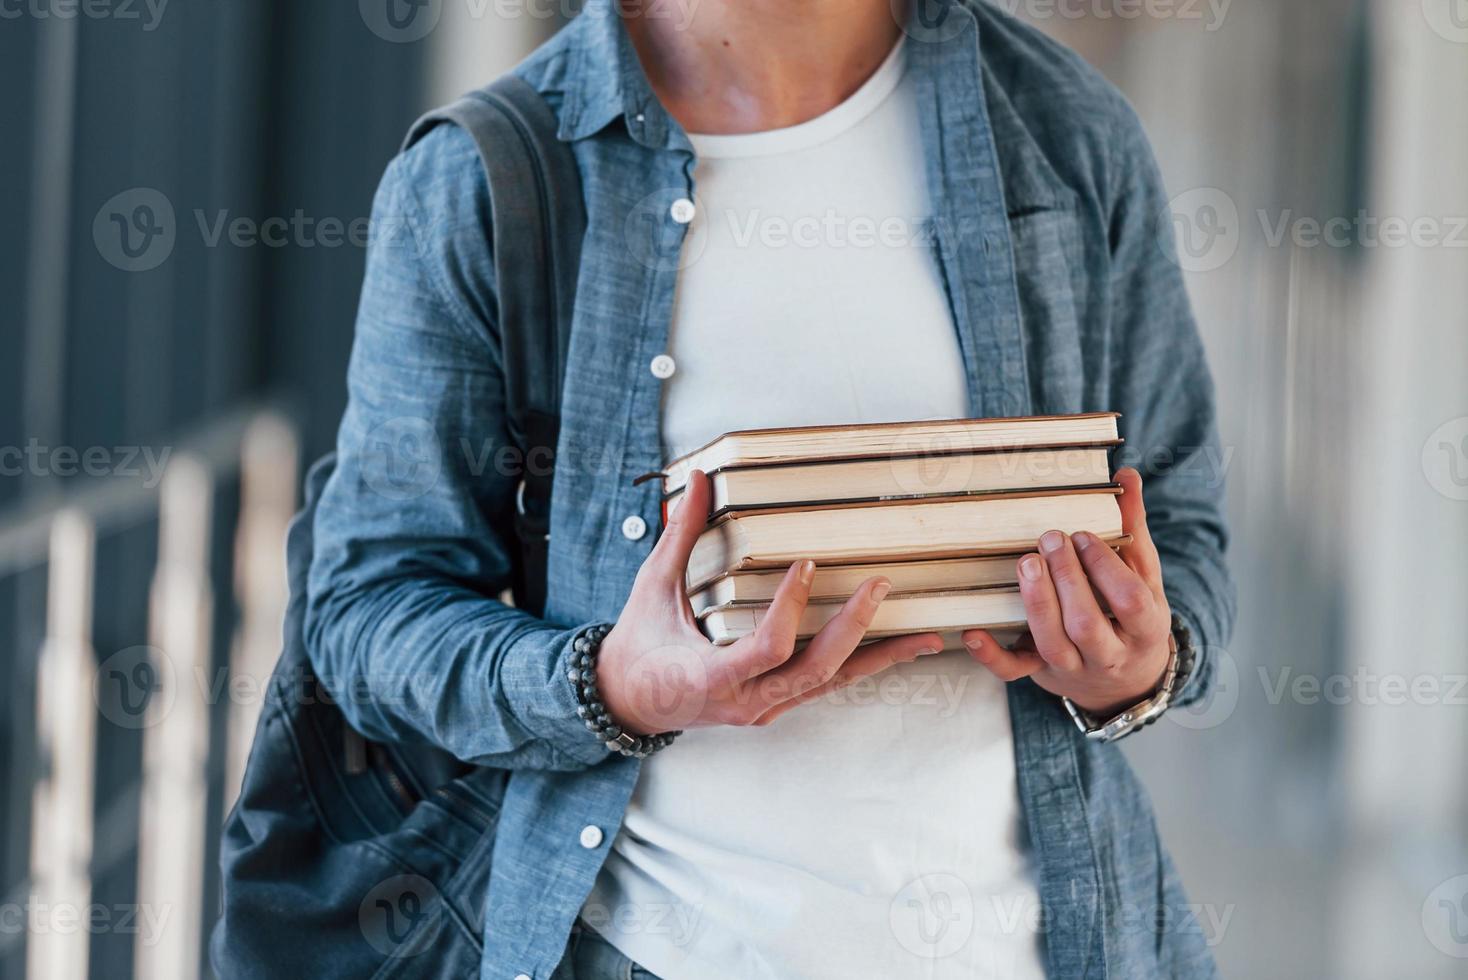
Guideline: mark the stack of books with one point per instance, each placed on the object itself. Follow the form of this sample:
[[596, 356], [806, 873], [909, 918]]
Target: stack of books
[[941, 509]]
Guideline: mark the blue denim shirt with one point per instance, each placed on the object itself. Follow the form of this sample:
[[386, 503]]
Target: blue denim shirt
[[1059, 272]]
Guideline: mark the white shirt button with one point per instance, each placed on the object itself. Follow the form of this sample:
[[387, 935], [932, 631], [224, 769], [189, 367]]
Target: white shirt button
[[590, 837], [522, 976], [663, 367], [634, 528], [683, 211]]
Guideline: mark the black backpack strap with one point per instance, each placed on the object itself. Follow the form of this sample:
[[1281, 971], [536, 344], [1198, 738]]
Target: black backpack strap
[[539, 221]]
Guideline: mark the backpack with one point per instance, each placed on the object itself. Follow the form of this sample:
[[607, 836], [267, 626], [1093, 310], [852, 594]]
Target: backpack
[[344, 857]]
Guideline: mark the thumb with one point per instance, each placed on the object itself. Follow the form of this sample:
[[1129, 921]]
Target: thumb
[[687, 517]]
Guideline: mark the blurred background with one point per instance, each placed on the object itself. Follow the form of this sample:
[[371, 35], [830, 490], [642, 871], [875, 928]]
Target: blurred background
[[185, 195]]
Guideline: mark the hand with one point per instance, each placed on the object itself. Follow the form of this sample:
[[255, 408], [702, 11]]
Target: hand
[[657, 672], [1072, 649]]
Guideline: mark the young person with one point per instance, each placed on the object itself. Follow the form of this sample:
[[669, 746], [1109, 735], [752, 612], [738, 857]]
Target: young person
[[800, 212]]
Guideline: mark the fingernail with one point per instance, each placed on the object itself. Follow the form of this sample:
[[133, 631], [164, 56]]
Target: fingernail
[[974, 644], [928, 651], [807, 572], [1083, 539], [1030, 568], [1051, 541], [880, 590]]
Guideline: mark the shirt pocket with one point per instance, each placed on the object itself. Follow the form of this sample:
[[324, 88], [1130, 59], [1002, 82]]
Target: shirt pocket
[[1047, 251]]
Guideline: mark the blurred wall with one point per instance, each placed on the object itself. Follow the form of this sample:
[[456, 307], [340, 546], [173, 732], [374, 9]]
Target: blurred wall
[[1314, 150]]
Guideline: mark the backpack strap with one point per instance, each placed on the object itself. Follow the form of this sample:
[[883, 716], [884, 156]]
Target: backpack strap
[[539, 221]]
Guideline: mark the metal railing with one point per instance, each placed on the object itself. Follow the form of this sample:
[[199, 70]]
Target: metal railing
[[172, 689]]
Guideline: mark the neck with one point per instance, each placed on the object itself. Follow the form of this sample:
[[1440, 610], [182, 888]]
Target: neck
[[744, 66]]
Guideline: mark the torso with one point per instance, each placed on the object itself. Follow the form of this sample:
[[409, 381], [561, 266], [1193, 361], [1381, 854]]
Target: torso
[[875, 832]]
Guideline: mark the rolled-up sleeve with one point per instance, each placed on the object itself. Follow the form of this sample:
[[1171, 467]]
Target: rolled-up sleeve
[[414, 531]]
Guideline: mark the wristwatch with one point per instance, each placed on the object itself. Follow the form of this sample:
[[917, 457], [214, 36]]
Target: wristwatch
[[1180, 661]]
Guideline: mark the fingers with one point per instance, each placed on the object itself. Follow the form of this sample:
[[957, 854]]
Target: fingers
[[1007, 665], [668, 563], [1042, 610], [867, 661], [1141, 554], [1127, 595], [1086, 625], [830, 648], [773, 642]]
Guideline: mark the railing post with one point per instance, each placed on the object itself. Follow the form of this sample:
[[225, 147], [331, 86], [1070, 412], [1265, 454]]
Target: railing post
[[66, 728], [175, 789], [268, 463]]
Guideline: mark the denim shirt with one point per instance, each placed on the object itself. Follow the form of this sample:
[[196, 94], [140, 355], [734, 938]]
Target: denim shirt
[[1049, 229]]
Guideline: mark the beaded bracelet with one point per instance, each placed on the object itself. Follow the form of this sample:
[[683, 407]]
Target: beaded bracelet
[[591, 710]]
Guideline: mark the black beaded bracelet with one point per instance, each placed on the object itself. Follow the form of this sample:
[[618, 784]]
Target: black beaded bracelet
[[591, 710]]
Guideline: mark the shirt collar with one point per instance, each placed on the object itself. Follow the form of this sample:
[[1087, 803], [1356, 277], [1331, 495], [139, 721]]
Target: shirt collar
[[606, 81], [605, 78]]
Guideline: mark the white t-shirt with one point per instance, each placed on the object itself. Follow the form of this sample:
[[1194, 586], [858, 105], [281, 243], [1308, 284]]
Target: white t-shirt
[[874, 833]]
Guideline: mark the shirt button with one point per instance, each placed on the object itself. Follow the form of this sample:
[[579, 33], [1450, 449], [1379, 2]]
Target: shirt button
[[683, 211], [522, 976], [663, 367], [633, 529], [590, 837]]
